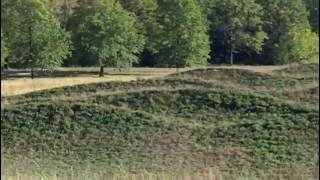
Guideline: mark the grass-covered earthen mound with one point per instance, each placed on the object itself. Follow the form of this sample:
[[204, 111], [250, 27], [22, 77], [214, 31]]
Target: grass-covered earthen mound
[[302, 70], [229, 119]]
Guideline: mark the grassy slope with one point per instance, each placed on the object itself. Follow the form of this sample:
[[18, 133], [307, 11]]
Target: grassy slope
[[224, 118]]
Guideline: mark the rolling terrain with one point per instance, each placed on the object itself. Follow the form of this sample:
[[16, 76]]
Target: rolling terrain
[[228, 119]]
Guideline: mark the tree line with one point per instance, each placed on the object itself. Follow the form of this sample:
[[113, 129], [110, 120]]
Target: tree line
[[168, 33]]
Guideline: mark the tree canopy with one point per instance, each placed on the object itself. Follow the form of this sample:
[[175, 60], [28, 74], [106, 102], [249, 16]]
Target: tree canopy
[[37, 41], [298, 45], [180, 34], [313, 9], [279, 18], [4, 50], [170, 33], [237, 25], [110, 34]]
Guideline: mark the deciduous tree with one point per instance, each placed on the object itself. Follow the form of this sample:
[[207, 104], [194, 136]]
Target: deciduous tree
[[110, 34], [298, 45], [180, 36], [279, 18], [237, 26], [37, 41]]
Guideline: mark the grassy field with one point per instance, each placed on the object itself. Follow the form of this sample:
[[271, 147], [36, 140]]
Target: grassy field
[[210, 123], [75, 76]]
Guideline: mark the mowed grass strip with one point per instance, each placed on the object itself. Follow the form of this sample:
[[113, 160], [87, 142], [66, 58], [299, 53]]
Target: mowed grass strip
[[86, 75], [77, 76], [22, 86]]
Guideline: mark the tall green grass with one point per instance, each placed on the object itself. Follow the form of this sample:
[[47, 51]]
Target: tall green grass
[[242, 123]]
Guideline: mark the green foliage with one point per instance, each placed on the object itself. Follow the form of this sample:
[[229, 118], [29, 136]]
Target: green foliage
[[109, 33], [280, 17], [238, 25], [37, 40], [313, 8], [298, 45], [4, 50], [143, 9], [180, 34], [63, 9], [167, 33], [207, 6]]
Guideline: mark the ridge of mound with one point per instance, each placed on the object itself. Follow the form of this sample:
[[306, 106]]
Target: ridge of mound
[[297, 70], [247, 78]]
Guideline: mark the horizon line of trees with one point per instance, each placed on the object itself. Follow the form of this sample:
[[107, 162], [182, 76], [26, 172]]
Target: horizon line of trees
[[45, 34]]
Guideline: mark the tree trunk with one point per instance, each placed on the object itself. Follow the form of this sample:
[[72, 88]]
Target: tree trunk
[[30, 50], [177, 69], [7, 65], [101, 74], [32, 73], [65, 12], [231, 56]]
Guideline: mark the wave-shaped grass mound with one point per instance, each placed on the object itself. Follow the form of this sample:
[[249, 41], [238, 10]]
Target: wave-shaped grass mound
[[140, 129], [177, 123], [247, 78], [298, 70]]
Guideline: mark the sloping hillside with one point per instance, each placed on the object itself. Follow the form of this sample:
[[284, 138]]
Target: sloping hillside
[[224, 118]]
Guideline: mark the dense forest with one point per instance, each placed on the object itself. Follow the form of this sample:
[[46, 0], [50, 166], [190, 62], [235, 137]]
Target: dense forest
[[157, 33]]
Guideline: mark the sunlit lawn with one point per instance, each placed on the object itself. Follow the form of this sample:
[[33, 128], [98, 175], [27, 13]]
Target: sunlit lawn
[[17, 86]]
